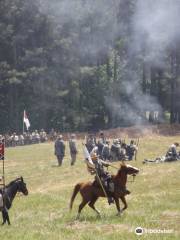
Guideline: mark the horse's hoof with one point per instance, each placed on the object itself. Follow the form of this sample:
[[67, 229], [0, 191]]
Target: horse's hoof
[[119, 214]]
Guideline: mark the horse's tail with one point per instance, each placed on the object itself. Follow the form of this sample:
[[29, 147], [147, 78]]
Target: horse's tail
[[75, 192]]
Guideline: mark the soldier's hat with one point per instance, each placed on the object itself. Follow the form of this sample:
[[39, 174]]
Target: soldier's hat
[[60, 136]]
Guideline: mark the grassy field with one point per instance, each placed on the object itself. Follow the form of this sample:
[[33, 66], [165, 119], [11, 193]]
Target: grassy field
[[154, 202]]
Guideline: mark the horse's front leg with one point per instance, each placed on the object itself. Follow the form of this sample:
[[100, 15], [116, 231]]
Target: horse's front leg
[[125, 203], [5, 216], [118, 206]]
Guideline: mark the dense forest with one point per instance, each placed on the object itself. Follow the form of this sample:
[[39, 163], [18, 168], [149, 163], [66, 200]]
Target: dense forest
[[78, 65]]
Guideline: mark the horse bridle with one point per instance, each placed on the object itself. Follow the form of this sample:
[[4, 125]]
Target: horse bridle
[[19, 193], [133, 174]]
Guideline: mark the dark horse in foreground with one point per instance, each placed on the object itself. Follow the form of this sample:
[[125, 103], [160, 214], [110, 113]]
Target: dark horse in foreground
[[8, 193], [90, 192]]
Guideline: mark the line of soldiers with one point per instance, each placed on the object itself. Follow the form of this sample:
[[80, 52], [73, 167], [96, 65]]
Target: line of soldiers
[[171, 155], [14, 139], [119, 150]]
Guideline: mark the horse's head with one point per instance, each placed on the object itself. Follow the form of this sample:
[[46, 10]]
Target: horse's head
[[128, 170], [21, 186]]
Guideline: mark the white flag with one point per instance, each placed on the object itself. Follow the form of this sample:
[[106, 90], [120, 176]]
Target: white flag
[[88, 160], [26, 120]]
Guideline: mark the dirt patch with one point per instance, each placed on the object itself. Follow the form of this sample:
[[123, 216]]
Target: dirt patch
[[171, 214], [105, 228]]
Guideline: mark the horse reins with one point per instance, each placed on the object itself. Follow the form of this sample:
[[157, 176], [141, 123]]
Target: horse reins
[[133, 175]]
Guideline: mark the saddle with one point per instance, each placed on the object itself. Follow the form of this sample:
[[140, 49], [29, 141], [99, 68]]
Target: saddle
[[108, 185]]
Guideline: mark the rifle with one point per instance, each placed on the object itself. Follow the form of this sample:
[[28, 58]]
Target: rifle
[[137, 144], [101, 185]]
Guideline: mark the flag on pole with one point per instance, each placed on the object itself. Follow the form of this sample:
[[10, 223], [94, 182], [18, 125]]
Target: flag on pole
[[26, 120]]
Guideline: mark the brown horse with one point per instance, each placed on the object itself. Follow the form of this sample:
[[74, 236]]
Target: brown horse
[[90, 192]]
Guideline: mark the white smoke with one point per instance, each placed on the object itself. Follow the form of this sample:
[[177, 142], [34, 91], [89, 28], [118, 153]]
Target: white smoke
[[95, 21], [156, 25]]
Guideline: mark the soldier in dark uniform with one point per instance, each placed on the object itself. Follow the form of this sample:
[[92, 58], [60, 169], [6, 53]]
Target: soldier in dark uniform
[[73, 149], [130, 150], [100, 144], [59, 149], [90, 142], [115, 150], [106, 151]]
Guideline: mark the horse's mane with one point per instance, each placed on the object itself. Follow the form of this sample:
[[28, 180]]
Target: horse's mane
[[12, 182]]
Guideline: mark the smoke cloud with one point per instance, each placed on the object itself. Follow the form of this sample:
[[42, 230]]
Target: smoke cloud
[[155, 27], [95, 21], [154, 30]]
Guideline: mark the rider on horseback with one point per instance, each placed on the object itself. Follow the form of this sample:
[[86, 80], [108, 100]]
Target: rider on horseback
[[101, 174], [95, 165]]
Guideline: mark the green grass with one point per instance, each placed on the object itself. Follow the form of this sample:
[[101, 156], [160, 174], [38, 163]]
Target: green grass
[[44, 213]]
